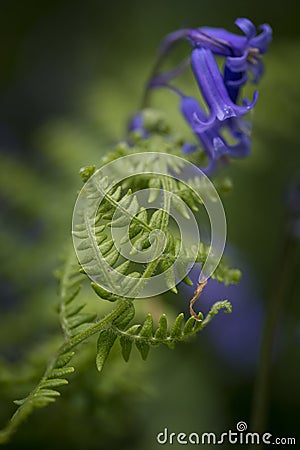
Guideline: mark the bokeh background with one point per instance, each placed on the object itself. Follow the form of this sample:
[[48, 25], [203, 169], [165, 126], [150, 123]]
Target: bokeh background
[[71, 74]]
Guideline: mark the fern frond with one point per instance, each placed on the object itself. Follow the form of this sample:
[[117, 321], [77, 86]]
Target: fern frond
[[70, 311], [58, 369], [143, 336]]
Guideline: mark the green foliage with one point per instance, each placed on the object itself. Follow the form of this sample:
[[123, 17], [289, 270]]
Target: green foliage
[[41, 188], [143, 335], [120, 206], [72, 320]]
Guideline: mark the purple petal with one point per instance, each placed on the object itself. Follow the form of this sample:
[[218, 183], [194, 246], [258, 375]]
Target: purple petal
[[247, 27], [194, 114], [220, 148], [214, 145], [189, 108], [241, 149], [262, 41], [199, 38], [203, 125], [188, 148], [239, 81], [233, 82], [211, 83], [235, 45], [212, 86], [237, 63], [136, 122]]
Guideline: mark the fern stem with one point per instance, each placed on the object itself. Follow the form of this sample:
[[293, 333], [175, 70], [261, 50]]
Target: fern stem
[[27, 408], [98, 326]]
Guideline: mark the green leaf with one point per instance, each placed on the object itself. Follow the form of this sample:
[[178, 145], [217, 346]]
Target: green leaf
[[123, 268], [176, 330], [187, 281], [75, 321], [143, 348], [64, 359], [162, 330], [180, 206], [156, 219], [53, 383], [87, 172], [215, 309], [20, 402], [146, 332], [123, 320], [126, 346], [49, 392], [103, 293], [169, 275], [188, 327], [147, 327], [154, 185], [57, 373], [105, 342]]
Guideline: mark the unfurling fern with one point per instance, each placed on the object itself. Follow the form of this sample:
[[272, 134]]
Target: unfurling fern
[[108, 206]]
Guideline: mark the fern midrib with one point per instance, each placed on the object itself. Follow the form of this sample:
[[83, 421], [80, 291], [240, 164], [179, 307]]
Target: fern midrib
[[153, 340], [63, 294], [151, 267], [28, 406], [95, 248], [117, 205], [135, 219]]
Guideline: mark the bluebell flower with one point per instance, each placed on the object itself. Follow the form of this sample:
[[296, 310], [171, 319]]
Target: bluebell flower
[[245, 53], [213, 89], [214, 144], [136, 124], [242, 53], [219, 90]]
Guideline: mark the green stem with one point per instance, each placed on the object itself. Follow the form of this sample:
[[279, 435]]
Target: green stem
[[27, 408]]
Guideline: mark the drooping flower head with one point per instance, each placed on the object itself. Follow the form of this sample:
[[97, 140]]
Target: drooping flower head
[[219, 89], [242, 53]]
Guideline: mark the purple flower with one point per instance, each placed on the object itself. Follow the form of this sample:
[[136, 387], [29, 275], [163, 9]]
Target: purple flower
[[219, 90], [214, 145], [242, 53], [213, 89], [225, 43], [136, 124], [245, 53]]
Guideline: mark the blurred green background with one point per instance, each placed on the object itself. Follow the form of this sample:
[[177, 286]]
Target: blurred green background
[[72, 72]]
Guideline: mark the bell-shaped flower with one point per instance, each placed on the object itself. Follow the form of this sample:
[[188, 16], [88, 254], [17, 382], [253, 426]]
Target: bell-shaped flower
[[214, 144]]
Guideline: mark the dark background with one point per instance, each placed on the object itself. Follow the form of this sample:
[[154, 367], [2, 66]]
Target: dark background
[[71, 73]]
